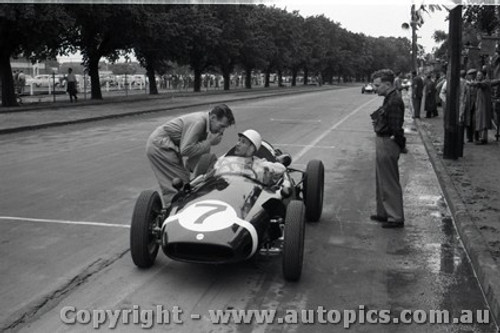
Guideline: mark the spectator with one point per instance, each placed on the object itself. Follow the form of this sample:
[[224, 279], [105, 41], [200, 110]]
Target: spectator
[[417, 87], [440, 93], [21, 82], [469, 110], [398, 82], [430, 90], [71, 89], [388, 125], [483, 105]]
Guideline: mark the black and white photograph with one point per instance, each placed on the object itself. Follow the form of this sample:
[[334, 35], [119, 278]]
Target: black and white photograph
[[250, 166]]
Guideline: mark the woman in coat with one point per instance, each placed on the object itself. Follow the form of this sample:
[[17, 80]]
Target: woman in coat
[[483, 106]]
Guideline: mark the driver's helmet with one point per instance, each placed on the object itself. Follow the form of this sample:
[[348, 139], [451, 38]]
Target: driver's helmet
[[253, 136]]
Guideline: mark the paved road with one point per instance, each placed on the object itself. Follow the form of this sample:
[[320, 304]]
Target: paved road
[[83, 181]]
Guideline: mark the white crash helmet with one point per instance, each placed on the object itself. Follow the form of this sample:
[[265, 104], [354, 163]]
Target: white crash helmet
[[253, 136]]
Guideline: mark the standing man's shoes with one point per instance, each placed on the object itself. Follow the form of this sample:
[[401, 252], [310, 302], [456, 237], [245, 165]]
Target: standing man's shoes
[[378, 218], [393, 225]]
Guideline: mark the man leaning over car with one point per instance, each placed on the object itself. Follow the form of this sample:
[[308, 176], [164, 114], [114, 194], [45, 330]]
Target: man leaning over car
[[175, 147]]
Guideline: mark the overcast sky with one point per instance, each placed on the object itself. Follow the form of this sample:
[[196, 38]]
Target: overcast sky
[[373, 18]]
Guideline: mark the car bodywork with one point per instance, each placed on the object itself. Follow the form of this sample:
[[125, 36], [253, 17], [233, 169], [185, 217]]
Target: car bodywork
[[231, 216], [368, 88]]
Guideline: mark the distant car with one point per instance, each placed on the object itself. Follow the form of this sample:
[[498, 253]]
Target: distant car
[[137, 80], [406, 84], [43, 80], [368, 88], [29, 79], [109, 79]]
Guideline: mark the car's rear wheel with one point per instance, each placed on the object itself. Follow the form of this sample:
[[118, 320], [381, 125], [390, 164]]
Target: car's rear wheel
[[314, 184], [143, 242], [205, 163], [293, 244]]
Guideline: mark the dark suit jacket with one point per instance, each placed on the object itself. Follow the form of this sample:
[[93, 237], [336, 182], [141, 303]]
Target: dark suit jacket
[[417, 86]]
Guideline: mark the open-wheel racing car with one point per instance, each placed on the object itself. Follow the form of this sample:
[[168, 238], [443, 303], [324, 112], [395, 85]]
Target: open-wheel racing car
[[229, 217]]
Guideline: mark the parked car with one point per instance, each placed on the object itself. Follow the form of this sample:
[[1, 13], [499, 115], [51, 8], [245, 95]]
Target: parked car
[[29, 79], [368, 88], [137, 80], [108, 79], [43, 80]]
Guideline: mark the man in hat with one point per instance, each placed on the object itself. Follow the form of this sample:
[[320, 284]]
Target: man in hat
[[243, 160]]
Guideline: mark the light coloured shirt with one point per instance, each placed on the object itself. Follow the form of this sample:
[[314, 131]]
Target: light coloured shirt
[[442, 93], [71, 77], [261, 169], [187, 135]]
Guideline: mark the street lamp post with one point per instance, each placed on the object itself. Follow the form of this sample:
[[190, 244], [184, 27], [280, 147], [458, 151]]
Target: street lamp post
[[413, 24], [453, 143]]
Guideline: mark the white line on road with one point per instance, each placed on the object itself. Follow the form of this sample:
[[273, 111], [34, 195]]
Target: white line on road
[[293, 145], [27, 219], [325, 133], [296, 120], [102, 224]]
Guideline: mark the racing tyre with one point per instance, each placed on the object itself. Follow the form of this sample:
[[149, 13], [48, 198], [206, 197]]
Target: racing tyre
[[143, 244], [205, 163], [293, 245], [314, 184]]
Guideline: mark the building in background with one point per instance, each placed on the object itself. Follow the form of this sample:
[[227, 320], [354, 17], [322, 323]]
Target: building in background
[[25, 65]]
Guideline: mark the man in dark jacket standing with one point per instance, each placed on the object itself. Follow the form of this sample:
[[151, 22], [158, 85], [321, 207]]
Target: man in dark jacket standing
[[388, 125], [417, 89]]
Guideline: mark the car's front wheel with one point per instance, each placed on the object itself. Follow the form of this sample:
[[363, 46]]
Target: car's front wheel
[[143, 242], [293, 244]]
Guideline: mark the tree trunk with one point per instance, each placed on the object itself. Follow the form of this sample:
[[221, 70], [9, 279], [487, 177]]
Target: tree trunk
[[197, 80], [267, 78], [227, 79], [294, 77], [280, 78], [453, 144], [248, 78], [150, 72], [306, 76], [8, 89], [95, 87], [414, 47]]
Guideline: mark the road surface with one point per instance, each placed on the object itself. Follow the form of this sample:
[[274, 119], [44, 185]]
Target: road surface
[[68, 194]]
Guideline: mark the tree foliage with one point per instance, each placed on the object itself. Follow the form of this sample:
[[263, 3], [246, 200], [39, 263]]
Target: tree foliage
[[31, 31], [207, 38], [483, 18]]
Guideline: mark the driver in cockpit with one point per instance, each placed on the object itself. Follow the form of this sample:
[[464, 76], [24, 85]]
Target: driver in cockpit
[[244, 160]]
